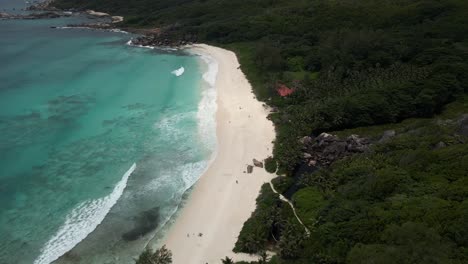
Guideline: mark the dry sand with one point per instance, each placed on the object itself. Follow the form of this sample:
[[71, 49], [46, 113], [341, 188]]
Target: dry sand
[[218, 205]]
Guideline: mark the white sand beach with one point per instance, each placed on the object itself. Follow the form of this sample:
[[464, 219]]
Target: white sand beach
[[224, 197]]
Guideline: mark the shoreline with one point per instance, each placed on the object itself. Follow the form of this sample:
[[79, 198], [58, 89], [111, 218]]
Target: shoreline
[[207, 226], [224, 196]]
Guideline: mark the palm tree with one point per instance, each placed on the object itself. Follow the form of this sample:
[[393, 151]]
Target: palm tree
[[227, 260], [263, 258], [161, 256]]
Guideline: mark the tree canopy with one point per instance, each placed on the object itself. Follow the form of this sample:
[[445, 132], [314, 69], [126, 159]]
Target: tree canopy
[[160, 256]]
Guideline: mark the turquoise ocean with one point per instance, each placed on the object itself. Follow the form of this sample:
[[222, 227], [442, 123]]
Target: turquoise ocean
[[99, 140]]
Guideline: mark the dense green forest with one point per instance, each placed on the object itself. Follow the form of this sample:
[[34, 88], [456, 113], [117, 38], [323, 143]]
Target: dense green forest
[[402, 202], [356, 67]]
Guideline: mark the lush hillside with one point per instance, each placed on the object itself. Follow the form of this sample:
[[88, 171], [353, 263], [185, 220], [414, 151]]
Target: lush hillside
[[404, 201], [365, 65]]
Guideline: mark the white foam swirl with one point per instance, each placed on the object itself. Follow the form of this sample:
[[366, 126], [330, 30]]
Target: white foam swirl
[[178, 72]]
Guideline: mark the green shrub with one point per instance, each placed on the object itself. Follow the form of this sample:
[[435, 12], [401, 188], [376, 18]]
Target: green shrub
[[308, 201], [160, 256], [282, 183], [256, 231], [270, 165]]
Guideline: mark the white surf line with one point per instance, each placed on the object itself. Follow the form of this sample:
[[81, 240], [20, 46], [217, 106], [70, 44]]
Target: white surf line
[[81, 221], [292, 207], [208, 106], [206, 115], [130, 43]]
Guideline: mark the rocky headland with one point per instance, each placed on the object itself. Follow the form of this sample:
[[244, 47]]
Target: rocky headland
[[162, 38], [155, 37], [327, 148], [38, 15], [42, 6]]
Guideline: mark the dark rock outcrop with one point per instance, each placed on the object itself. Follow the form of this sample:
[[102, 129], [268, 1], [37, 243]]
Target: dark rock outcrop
[[326, 148], [162, 38], [357, 144], [440, 145], [117, 19], [249, 168], [42, 6], [257, 163], [99, 25], [463, 125], [42, 15], [93, 14], [387, 135]]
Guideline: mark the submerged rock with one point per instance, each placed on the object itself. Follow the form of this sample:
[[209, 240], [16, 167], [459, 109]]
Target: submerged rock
[[146, 222]]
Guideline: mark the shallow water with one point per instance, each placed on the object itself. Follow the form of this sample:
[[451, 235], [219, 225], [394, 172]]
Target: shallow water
[[99, 141]]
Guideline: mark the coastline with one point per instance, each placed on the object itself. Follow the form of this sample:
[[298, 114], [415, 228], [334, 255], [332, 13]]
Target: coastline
[[224, 196], [208, 225]]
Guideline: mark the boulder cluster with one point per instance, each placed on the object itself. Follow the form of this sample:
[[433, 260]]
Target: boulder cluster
[[326, 148], [163, 39], [98, 25], [41, 15], [42, 6], [256, 163]]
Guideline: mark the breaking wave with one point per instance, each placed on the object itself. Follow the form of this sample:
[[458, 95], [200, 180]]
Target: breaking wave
[[81, 221], [130, 43]]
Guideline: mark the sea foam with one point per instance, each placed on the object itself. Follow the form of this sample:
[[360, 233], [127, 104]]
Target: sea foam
[[206, 126], [178, 72], [207, 107], [80, 222], [130, 43], [210, 75]]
